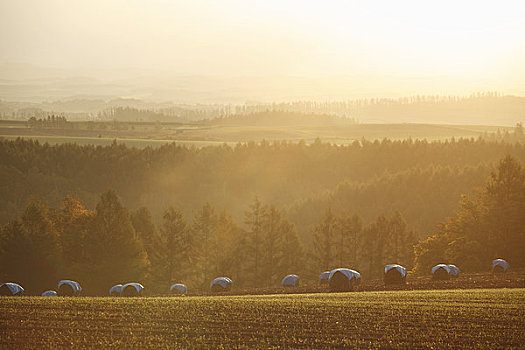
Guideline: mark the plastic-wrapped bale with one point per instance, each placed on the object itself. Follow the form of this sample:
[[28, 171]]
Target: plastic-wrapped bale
[[394, 274], [115, 290], [132, 289], [290, 281], [454, 271], [11, 289], [68, 288], [324, 277], [179, 289], [499, 266], [441, 272], [221, 284], [49, 293], [343, 280]]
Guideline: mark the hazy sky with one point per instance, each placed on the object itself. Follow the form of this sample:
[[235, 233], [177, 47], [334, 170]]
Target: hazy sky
[[466, 40]]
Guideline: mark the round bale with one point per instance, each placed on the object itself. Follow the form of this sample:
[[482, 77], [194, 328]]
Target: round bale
[[440, 272], [132, 290], [394, 274]]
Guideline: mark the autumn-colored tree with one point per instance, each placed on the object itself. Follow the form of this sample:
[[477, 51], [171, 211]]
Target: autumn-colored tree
[[490, 226], [73, 221]]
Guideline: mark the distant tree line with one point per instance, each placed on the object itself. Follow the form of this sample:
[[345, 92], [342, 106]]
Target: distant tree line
[[422, 180], [130, 114], [49, 122], [517, 135], [480, 108]]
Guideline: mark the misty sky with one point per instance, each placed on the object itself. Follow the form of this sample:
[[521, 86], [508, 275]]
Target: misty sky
[[469, 41]]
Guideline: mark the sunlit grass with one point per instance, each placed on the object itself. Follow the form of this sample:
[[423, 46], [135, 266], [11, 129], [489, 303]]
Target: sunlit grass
[[492, 318]]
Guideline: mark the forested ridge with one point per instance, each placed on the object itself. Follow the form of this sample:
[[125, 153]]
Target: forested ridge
[[254, 211], [388, 175]]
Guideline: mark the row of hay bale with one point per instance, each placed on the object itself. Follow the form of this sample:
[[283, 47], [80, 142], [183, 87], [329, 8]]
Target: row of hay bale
[[65, 288], [137, 289], [446, 272], [339, 280], [343, 279]]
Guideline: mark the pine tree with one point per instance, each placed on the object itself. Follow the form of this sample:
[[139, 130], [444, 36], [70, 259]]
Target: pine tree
[[504, 199], [254, 220], [271, 240], [229, 253], [292, 251], [204, 226], [175, 234], [147, 232], [114, 252], [73, 220], [348, 231], [324, 240], [375, 244]]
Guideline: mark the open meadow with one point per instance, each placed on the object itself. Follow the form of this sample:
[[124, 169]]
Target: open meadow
[[462, 319]]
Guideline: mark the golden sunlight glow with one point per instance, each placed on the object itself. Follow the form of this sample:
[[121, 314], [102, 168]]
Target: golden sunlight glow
[[468, 42]]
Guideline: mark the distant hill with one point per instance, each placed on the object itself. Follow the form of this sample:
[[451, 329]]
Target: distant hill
[[477, 109], [277, 118]]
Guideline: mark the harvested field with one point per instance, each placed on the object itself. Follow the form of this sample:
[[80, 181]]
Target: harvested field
[[464, 319]]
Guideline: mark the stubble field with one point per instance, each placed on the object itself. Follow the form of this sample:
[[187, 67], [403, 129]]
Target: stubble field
[[464, 319]]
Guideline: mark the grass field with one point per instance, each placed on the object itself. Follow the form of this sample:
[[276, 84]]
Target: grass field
[[481, 318]]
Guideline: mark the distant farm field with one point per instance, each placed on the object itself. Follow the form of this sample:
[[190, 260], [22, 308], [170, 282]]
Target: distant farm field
[[96, 141], [143, 134], [481, 318]]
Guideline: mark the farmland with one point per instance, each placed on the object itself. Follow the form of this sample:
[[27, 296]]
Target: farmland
[[200, 134], [482, 318]]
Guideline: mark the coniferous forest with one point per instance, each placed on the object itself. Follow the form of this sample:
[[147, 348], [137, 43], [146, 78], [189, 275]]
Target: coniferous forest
[[255, 211]]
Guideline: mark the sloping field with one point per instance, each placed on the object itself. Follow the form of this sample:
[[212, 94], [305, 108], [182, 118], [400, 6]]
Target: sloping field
[[461, 319]]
